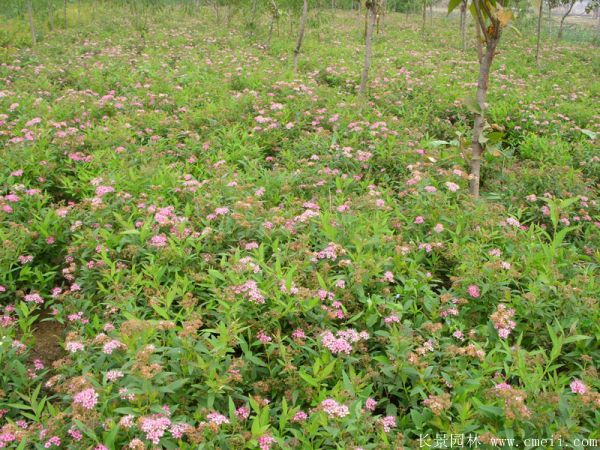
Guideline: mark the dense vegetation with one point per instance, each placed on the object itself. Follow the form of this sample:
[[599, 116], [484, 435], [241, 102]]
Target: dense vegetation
[[202, 248]]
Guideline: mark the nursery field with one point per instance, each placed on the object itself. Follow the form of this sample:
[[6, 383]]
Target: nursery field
[[202, 248]]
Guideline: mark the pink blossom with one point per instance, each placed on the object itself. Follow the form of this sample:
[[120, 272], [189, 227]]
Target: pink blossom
[[388, 277], [88, 398], [393, 318], [334, 409], [126, 421], [111, 346], [250, 290], [178, 429], [75, 434], [452, 187], [419, 220], [154, 427], [53, 441], [578, 387], [298, 334], [242, 413], [265, 441], [35, 298], [113, 375], [263, 337], [388, 422], [474, 291], [217, 419], [370, 404], [300, 416], [159, 240]]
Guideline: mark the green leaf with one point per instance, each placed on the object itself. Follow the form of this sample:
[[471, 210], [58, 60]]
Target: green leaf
[[591, 134], [472, 105], [310, 380], [453, 4]]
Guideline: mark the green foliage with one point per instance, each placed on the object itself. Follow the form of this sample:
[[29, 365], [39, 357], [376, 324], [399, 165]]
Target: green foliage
[[196, 218]]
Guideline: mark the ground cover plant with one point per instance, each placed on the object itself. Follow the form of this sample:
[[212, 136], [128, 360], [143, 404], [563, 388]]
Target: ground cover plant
[[204, 246]]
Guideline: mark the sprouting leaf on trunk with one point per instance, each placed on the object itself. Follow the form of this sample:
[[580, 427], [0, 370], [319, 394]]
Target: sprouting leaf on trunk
[[504, 17], [472, 105]]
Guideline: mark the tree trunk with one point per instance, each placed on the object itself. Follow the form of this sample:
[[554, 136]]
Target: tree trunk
[[482, 88], [424, 16], [463, 24], [274, 14], [539, 29], [270, 32], [562, 20], [431, 13], [372, 11], [216, 6], [50, 16], [65, 12], [300, 34], [31, 24], [478, 43]]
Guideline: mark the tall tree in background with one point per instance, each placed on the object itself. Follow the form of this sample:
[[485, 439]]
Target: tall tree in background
[[491, 16], [31, 24], [463, 23], [300, 34], [568, 4], [274, 17], [371, 7], [539, 5]]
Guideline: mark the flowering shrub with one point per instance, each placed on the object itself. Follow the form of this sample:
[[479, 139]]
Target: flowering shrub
[[199, 251]]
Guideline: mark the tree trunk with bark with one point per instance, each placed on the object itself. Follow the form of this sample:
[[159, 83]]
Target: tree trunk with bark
[[463, 24], [492, 37], [31, 24], [50, 16], [300, 34], [539, 31], [217, 15], [274, 15], [431, 13], [562, 20], [372, 13], [424, 16]]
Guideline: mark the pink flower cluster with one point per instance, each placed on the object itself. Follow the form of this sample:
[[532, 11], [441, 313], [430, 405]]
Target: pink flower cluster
[[474, 291], [329, 252], [578, 387], [265, 441], [112, 345], [342, 341], [502, 319], [217, 419], [388, 422], [334, 409], [155, 427], [250, 290], [87, 399], [34, 298], [300, 416]]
